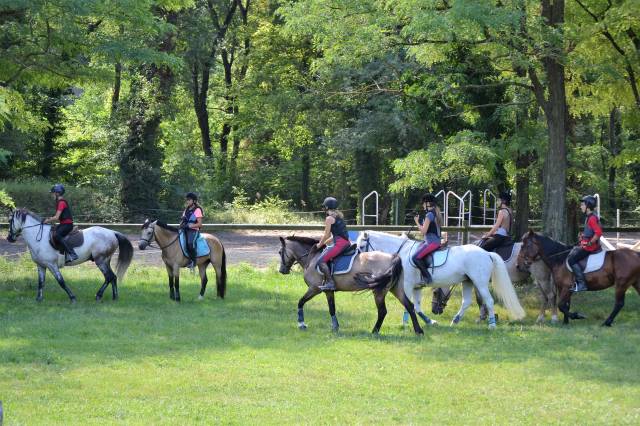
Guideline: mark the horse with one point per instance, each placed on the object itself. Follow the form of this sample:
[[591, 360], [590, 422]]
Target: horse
[[375, 271], [621, 269], [98, 245], [468, 264], [539, 272], [167, 238]]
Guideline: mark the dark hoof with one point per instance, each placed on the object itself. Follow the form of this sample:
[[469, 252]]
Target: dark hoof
[[39, 299], [73, 301], [172, 296], [579, 316], [420, 333], [606, 324], [177, 299]]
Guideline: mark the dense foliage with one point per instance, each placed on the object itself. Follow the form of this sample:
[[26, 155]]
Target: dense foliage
[[139, 101]]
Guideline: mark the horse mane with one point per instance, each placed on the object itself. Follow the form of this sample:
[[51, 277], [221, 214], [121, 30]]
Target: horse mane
[[303, 240], [163, 225], [24, 212], [551, 248]]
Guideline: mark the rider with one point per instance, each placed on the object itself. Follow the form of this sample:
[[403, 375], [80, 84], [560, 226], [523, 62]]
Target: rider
[[335, 226], [589, 241], [499, 234], [430, 228], [191, 223], [63, 215]]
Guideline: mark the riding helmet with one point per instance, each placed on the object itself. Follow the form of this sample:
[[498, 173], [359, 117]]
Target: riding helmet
[[589, 201], [330, 203], [429, 198], [58, 188], [191, 196], [505, 196]]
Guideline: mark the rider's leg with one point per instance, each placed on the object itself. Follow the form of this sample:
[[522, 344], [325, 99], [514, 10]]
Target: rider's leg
[[576, 255], [62, 230], [338, 247], [191, 248], [421, 259]]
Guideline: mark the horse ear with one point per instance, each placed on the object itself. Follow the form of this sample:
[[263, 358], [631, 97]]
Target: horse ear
[[531, 233], [282, 240], [145, 225]]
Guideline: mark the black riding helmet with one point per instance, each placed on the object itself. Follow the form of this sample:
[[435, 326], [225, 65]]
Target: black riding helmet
[[191, 196], [505, 196], [589, 201], [429, 198], [330, 203], [58, 188]]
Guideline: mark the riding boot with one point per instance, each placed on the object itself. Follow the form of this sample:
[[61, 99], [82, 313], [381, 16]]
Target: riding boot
[[328, 285], [71, 253], [423, 265], [580, 284]]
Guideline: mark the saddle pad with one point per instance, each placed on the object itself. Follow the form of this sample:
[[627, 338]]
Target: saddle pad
[[74, 239], [438, 257], [506, 251], [341, 264], [202, 248], [592, 263]]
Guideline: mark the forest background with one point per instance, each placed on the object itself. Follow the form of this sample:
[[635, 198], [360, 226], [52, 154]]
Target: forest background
[[270, 105]]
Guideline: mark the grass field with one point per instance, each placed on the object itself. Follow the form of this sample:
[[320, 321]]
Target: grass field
[[148, 360]]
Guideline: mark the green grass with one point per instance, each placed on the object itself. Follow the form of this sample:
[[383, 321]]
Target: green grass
[[148, 360]]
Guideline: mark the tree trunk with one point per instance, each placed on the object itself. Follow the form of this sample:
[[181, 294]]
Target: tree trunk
[[614, 149], [521, 220], [200, 91], [52, 114], [115, 96], [305, 181]]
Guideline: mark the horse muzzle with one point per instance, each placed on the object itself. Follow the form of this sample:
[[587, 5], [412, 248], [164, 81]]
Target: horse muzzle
[[142, 245], [11, 239], [284, 271]]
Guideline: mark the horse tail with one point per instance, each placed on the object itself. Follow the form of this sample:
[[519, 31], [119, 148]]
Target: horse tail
[[221, 281], [504, 288], [388, 279], [125, 254]]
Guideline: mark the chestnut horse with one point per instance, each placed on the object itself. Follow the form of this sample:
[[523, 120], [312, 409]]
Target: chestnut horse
[[621, 269]]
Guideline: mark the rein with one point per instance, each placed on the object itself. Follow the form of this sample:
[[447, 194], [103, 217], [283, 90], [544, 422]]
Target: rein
[[153, 234], [16, 234]]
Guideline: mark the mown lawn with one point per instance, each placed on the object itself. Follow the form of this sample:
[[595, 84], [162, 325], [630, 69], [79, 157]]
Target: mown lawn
[[148, 360]]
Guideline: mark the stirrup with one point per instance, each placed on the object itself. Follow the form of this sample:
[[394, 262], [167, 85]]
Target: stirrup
[[328, 286], [579, 287]]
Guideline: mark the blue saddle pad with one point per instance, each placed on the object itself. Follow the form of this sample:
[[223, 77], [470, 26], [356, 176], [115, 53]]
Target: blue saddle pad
[[341, 264], [438, 257], [202, 248]]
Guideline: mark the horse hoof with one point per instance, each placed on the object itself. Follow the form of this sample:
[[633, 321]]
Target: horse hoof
[[177, 299], [492, 326], [98, 298], [302, 326], [73, 301], [335, 329], [540, 319], [39, 299], [200, 297], [579, 316], [554, 320], [433, 322], [606, 324]]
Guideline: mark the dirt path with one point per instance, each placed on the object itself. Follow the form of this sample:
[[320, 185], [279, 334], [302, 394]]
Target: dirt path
[[258, 248]]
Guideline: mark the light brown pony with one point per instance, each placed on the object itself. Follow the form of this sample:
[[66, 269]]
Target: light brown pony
[[621, 269], [375, 271], [167, 238]]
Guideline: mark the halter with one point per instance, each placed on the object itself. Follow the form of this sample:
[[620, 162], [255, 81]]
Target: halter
[[445, 299], [284, 261]]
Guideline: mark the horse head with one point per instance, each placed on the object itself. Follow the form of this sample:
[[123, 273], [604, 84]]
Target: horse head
[[147, 234], [295, 249], [16, 223], [530, 251], [439, 299]]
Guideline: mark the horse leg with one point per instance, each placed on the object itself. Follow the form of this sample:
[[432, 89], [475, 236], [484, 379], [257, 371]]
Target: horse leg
[[331, 301], [488, 302], [56, 273], [176, 282], [379, 296], [620, 292], [417, 307], [109, 276], [564, 303], [202, 269], [466, 302], [399, 293], [172, 292], [312, 292], [417, 298], [544, 302], [481, 306], [42, 272]]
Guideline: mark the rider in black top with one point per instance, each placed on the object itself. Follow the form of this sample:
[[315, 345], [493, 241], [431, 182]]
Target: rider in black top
[[64, 216], [500, 234]]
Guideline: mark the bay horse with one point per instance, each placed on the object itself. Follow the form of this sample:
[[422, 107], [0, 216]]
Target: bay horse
[[167, 238], [540, 273], [375, 271], [468, 264], [621, 269], [98, 245]]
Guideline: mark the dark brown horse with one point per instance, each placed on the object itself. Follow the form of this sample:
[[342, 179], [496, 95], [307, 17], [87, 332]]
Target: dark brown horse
[[621, 269], [375, 271]]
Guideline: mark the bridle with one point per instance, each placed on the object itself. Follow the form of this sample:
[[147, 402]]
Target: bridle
[[295, 260], [13, 235], [153, 235]]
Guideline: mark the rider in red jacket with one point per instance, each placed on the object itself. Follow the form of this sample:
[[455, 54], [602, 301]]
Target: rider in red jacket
[[589, 241]]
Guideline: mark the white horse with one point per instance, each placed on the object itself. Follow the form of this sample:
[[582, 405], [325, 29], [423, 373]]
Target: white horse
[[99, 245], [540, 273], [468, 264]]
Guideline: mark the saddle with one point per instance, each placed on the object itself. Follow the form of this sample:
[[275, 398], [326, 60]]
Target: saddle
[[74, 239], [342, 263], [202, 248], [505, 251], [594, 262], [437, 258]]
